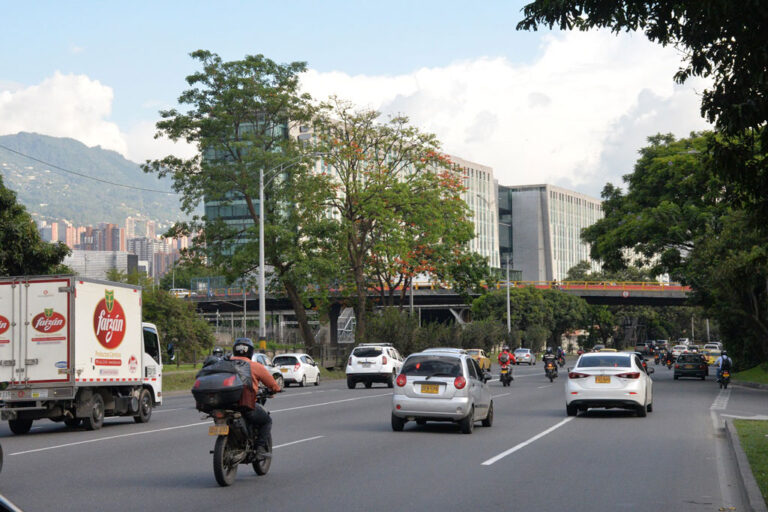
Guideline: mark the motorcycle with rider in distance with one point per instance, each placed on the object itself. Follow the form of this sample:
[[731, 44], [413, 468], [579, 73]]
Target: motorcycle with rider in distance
[[550, 370], [724, 379], [505, 376], [236, 442], [561, 360]]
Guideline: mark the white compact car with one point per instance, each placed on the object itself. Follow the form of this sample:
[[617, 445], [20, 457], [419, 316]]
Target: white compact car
[[373, 362], [679, 349], [609, 380], [297, 368]]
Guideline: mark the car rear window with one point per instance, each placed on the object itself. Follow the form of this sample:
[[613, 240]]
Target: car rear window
[[518, 351], [689, 358], [433, 366], [473, 352], [366, 352], [606, 360], [284, 361]]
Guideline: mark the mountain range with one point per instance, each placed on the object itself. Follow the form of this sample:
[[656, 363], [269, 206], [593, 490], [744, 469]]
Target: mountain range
[[50, 193]]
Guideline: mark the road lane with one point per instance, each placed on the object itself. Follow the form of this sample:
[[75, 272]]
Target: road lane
[[336, 449]]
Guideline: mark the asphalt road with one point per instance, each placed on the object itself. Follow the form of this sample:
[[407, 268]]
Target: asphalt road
[[335, 450]]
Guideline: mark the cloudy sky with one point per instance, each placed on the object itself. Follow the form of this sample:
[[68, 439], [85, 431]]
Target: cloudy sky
[[570, 109]]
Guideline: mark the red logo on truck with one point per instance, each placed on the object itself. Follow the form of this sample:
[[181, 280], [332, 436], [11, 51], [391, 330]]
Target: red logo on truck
[[109, 321], [4, 324], [47, 321]]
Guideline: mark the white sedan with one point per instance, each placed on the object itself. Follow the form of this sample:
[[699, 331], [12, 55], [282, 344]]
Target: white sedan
[[609, 380], [297, 368]]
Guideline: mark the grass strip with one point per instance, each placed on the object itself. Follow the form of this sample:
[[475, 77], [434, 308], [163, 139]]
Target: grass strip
[[758, 374], [183, 380], [753, 435]]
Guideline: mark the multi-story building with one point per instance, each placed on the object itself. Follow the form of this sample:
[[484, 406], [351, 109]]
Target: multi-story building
[[540, 229], [96, 264]]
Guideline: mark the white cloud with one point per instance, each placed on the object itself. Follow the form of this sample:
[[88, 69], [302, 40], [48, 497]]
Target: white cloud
[[574, 117], [77, 107]]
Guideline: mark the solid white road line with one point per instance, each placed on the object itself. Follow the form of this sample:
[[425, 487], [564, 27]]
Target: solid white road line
[[499, 396], [526, 443], [204, 422], [164, 410]]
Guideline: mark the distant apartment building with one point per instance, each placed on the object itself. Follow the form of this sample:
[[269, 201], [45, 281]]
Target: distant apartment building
[[138, 227], [540, 229], [96, 264]]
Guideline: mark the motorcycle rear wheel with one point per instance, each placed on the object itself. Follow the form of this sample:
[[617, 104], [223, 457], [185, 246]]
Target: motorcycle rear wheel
[[261, 467], [223, 469]]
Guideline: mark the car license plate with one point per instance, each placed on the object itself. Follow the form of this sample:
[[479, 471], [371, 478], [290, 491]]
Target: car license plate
[[430, 388], [504, 370], [218, 430], [284, 370], [366, 365], [690, 366], [602, 379]]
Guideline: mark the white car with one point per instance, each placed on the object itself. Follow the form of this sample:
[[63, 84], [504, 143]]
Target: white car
[[524, 355], [679, 349], [373, 362], [267, 362], [297, 368], [609, 380], [713, 346]]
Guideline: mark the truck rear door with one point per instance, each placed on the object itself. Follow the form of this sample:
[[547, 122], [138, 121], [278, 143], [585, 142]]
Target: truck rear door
[[38, 348]]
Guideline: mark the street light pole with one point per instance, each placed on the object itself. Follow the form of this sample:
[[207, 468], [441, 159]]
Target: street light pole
[[262, 294], [509, 316]]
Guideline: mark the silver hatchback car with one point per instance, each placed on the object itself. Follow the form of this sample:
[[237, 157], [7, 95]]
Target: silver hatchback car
[[442, 386]]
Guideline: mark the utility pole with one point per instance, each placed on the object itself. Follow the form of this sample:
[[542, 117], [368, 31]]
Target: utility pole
[[509, 316], [411, 285], [693, 335]]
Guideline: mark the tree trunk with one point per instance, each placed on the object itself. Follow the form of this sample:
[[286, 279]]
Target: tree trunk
[[301, 315], [361, 303]]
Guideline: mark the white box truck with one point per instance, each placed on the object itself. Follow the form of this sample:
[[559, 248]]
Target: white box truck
[[75, 350]]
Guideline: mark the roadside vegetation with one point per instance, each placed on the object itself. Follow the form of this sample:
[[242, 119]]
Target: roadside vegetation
[[753, 435], [757, 374]]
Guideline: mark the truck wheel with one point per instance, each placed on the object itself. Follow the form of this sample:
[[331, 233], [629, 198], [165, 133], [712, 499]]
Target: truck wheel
[[96, 419], [145, 407], [20, 426]]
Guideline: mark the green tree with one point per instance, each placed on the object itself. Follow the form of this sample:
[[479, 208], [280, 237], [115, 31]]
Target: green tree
[[389, 181], [568, 313], [184, 270], [22, 251], [240, 114]]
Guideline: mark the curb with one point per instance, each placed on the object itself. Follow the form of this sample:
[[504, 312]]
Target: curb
[[749, 484], [753, 385]]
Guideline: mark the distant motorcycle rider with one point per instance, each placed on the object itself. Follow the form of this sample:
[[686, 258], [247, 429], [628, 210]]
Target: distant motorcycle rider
[[723, 363], [257, 416], [548, 357], [510, 355]]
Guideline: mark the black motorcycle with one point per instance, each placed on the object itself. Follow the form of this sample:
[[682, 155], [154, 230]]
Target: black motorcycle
[[505, 377], [561, 361], [550, 370], [236, 443], [724, 379]]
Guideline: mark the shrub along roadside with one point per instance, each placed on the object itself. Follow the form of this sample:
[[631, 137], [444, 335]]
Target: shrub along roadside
[[753, 435], [185, 379], [758, 374]]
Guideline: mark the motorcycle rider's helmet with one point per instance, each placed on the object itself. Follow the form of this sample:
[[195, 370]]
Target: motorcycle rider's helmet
[[549, 351], [218, 352], [505, 349], [243, 347], [723, 353]]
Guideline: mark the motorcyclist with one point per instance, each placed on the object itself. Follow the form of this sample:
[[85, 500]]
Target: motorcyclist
[[669, 359], [510, 355], [216, 354], [723, 363], [257, 416], [560, 354], [549, 356]]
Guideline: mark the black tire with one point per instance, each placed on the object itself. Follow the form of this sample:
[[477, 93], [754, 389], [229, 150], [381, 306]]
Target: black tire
[[95, 419], [145, 407], [368, 384], [391, 380], [488, 421], [467, 423], [703, 377], [280, 381], [20, 426], [225, 473], [397, 423], [303, 381], [551, 378], [261, 467], [1, 458], [641, 412], [721, 385], [72, 422], [676, 377], [649, 407], [317, 380], [725, 385], [351, 383], [571, 410]]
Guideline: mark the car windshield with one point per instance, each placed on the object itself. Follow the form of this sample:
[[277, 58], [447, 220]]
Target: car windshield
[[473, 352], [606, 360], [432, 366], [284, 361], [679, 347], [367, 352]]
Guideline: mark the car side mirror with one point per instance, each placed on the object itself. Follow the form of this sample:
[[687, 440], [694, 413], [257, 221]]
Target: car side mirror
[[650, 370], [487, 376]]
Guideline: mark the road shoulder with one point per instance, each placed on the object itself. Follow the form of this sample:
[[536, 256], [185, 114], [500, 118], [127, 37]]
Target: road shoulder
[[751, 490]]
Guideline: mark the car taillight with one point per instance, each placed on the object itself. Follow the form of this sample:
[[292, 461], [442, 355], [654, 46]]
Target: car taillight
[[401, 380], [577, 375], [459, 382], [702, 366], [350, 362], [629, 375], [296, 367], [229, 381], [197, 383], [677, 366], [383, 359]]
